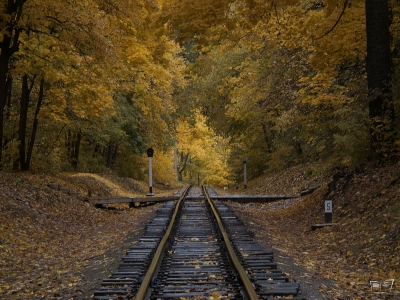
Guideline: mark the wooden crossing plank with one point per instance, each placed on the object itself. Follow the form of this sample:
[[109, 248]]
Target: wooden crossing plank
[[237, 198], [252, 198], [132, 200]]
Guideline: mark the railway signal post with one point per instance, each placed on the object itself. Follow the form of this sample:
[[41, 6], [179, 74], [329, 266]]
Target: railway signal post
[[150, 153], [244, 160]]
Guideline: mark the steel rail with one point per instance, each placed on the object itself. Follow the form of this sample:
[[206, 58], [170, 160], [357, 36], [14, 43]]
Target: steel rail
[[251, 293], [141, 294]]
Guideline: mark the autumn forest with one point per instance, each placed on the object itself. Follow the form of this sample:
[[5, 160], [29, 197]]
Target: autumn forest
[[89, 85]]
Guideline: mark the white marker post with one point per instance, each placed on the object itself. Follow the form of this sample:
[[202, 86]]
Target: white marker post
[[328, 216], [328, 211], [150, 153], [244, 160]]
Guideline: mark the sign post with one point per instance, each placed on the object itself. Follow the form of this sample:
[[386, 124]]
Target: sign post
[[328, 216], [150, 153], [328, 211], [244, 160]]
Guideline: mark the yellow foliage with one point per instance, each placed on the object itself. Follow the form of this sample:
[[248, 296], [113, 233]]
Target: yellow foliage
[[208, 152], [163, 167]]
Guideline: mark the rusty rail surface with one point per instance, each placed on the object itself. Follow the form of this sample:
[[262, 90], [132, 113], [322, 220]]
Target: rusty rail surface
[[197, 247]]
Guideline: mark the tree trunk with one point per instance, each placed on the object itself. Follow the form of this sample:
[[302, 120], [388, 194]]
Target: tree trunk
[[266, 137], [23, 116], [176, 157], [184, 161], [379, 71], [9, 84], [34, 126], [109, 154], [8, 46], [77, 149], [115, 155], [176, 150], [97, 151], [3, 142], [67, 143], [5, 56]]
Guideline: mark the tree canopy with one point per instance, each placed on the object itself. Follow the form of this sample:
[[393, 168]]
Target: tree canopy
[[90, 85]]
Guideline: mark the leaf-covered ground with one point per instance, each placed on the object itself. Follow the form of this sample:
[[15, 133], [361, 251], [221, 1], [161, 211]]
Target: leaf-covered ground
[[55, 246], [363, 244]]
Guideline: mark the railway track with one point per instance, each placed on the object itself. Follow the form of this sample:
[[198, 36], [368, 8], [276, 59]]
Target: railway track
[[196, 249]]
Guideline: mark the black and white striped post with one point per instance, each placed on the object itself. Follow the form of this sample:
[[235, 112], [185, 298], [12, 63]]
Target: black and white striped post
[[150, 153]]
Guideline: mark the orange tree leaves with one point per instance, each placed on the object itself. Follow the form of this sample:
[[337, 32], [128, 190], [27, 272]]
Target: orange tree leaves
[[283, 95], [87, 53]]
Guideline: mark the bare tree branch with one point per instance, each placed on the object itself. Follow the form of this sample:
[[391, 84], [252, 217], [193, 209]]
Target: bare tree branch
[[337, 21]]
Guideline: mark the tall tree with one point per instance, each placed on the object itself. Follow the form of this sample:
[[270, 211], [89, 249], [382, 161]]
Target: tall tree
[[379, 70], [35, 125], [10, 14], [23, 117]]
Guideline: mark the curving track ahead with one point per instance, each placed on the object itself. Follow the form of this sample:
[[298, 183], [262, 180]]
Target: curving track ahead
[[197, 249]]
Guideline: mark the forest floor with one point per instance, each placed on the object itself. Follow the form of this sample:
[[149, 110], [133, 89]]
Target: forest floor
[[362, 245], [56, 246]]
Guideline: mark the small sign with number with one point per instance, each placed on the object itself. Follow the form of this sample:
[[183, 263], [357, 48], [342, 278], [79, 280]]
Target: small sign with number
[[328, 211], [328, 206]]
